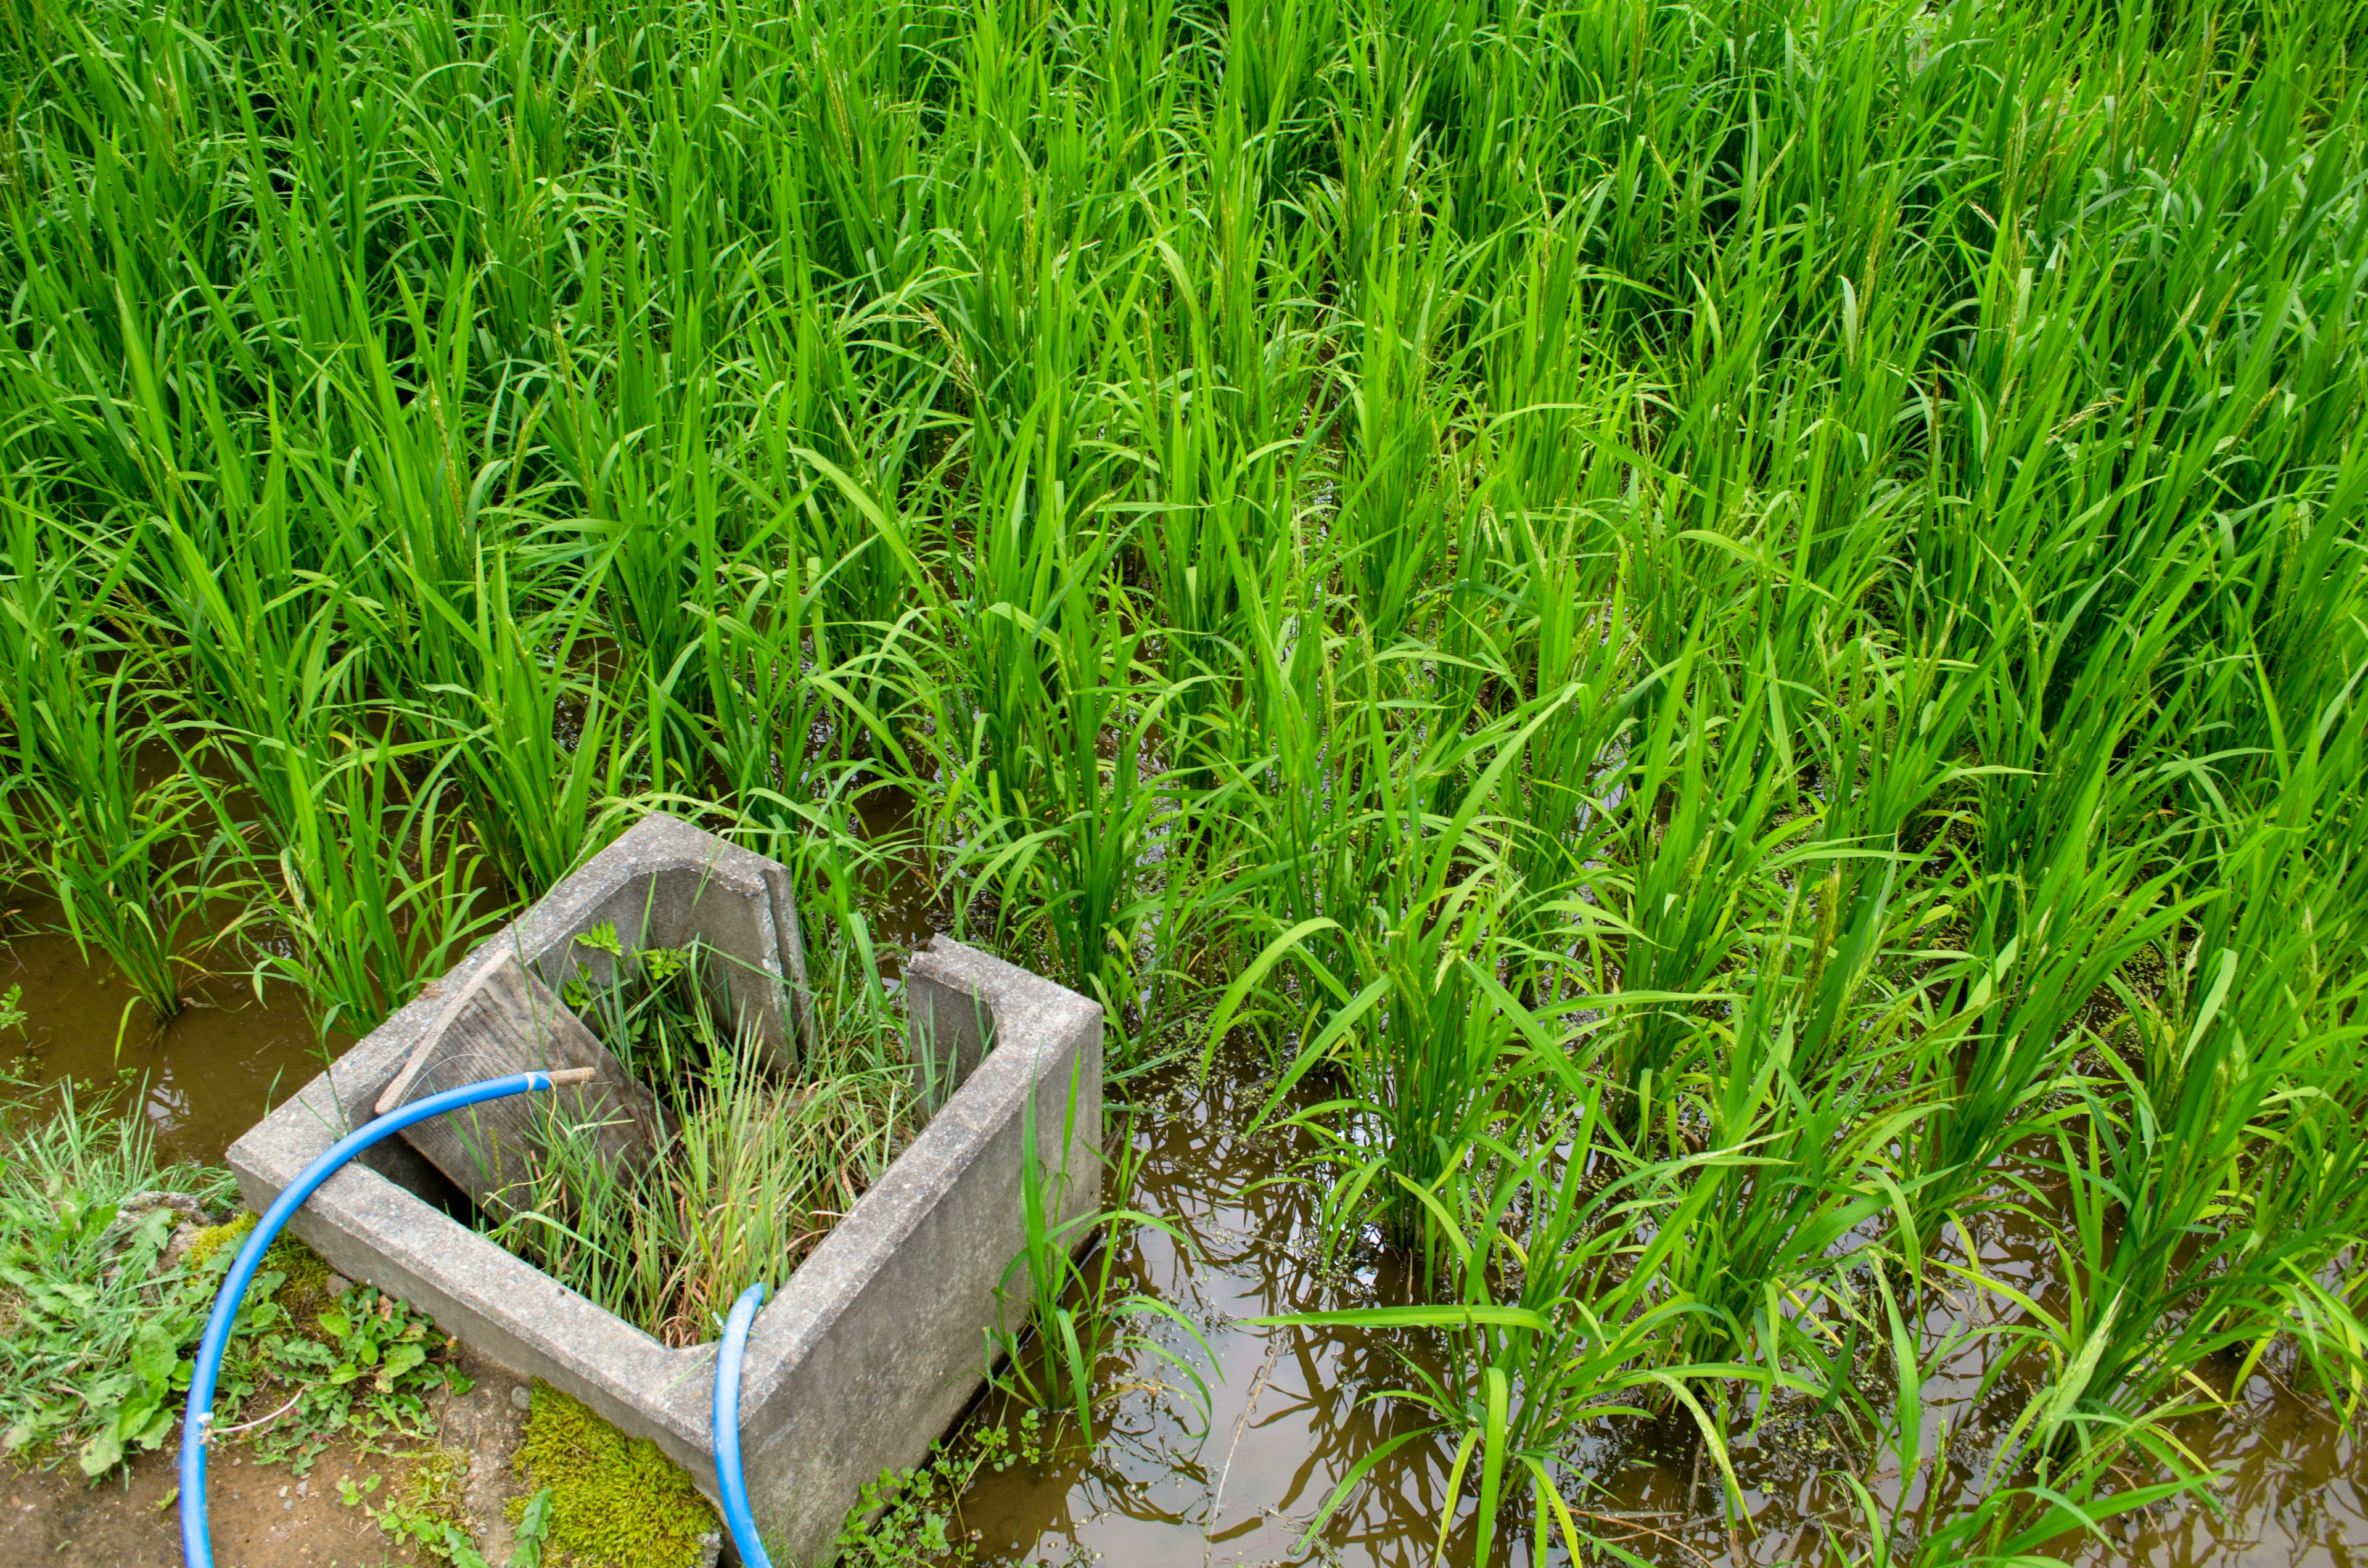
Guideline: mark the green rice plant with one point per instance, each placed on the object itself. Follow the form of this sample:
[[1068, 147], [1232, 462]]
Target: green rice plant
[[364, 932], [1396, 509], [1578, 664], [1556, 1317], [1794, 1172], [2022, 1502], [2214, 1210], [1217, 470], [1067, 1301], [1412, 990], [531, 794], [1076, 875], [126, 858], [1781, 579], [1701, 826], [2070, 884], [1032, 579]]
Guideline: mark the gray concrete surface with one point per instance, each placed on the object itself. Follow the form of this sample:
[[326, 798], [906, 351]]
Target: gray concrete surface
[[507, 1021], [869, 1352]]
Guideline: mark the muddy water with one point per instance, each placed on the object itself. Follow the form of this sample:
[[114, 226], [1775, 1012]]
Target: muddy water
[[1169, 1483], [201, 1080], [1293, 1410], [896, 898]]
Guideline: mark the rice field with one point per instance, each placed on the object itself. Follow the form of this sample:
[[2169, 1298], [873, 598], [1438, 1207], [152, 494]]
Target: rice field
[[1699, 663]]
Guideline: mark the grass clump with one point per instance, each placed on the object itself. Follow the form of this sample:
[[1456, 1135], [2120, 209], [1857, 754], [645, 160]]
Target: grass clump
[[100, 1313], [96, 1320], [760, 1165], [615, 1502]]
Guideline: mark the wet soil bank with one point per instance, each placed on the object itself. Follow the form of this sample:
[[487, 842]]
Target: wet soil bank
[[262, 1516]]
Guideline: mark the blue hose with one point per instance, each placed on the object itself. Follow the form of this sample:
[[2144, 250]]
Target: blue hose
[[197, 1549], [729, 1480]]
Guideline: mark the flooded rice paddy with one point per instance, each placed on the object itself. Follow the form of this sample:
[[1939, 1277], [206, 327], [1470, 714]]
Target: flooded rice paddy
[[1294, 1409], [200, 1081], [1166, 1483]]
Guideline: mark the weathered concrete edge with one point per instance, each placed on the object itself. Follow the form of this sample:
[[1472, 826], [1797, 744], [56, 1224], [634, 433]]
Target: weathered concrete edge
[[374, 1230], [1043, 1031], [370, 1228], [878, 1343]]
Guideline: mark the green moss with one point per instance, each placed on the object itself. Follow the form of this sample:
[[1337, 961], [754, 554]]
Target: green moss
[[615, 1502], [303, 1291], [208, 1241]]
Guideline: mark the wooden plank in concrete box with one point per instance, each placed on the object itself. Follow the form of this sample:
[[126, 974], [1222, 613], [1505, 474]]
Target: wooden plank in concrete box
[[507, 1021]]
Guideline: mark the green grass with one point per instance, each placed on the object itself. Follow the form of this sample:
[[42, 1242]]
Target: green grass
[[99, 1312], [757, 1164], [1761, 600]]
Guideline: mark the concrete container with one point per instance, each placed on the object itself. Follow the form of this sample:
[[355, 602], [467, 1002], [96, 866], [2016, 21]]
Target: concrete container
[[873, 1347]]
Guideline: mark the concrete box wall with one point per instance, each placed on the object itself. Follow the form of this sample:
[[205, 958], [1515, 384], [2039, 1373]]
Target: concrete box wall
[[872, 1348]]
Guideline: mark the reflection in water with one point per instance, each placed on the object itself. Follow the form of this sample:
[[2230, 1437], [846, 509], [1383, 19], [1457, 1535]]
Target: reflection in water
[[1292, 1413], [1296, 1409], [202, 1080]]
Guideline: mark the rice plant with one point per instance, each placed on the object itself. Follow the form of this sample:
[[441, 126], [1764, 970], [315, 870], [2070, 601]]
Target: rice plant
[[1775, 588], [1063, 1313], [101, 800]]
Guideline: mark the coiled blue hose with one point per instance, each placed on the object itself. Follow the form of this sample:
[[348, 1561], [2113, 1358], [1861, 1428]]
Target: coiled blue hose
[[728, 1478], [197, 1549]]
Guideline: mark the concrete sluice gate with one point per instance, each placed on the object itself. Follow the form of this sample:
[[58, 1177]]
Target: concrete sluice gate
[[873, 1348]]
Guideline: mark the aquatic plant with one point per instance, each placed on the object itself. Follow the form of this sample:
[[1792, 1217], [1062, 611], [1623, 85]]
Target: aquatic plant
[[1066, 1308]]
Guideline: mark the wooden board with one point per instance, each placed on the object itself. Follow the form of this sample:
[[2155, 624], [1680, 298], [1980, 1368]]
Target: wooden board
[[508, 1022]]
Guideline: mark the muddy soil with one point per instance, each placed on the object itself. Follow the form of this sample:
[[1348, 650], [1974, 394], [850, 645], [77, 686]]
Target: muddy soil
[[262, 1516]]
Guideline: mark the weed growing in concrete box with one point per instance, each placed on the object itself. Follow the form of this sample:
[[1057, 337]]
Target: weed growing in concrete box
[[759, 1165]]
